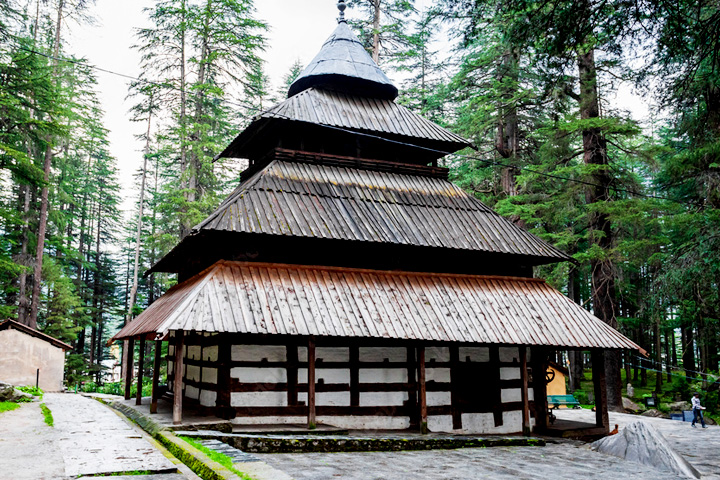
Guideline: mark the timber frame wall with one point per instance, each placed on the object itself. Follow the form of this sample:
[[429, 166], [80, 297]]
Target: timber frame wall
[[359, 383]]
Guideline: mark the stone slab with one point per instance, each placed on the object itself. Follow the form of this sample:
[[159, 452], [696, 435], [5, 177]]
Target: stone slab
[[95, 440], [564, 461]]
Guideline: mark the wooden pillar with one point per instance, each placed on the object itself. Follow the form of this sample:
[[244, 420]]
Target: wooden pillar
[[494, 386], [422, 394], [524, 391], [156, 376], [354, 375], [292, 374], [455, 409], [178, 377], [600, 384], [141, 362], [412, 387], [539, 366], [223, 400], [130, 346], [311, 383]]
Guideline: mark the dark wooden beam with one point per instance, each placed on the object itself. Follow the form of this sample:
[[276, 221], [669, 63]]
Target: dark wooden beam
[[178, 377], [311, 383], [600, 384], [156, 376], [130, 346], [354, 375], [494, 385], [224, 364], [412, 386], [141, 363], [422, 396], [454, 397], [539, 366], [292, 374], [524, 391]]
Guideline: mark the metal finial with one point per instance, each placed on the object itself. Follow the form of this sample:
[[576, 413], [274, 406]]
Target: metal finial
[[341, 6]]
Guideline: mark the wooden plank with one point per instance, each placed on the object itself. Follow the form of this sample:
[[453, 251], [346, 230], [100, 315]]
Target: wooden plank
[[130, 349], [524, 391], [422, 400], [413, 386], [178, 377], [311, 383], [141, 363], [156, 376], [600, 384]]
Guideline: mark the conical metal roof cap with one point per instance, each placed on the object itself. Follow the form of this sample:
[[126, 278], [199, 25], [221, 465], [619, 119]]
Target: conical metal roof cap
[[343, 65]]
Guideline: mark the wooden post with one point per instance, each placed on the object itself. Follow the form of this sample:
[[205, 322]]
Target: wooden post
[[223, 400], [598, 373], [454, 397], [412, 382], [141, 362], [524, 391], [311, 383], [422, 391], [539, 366], [156, 376], [178, 377], [354, 375], [130, 346]]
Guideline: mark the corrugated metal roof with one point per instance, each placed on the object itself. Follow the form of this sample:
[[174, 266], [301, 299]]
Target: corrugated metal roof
[[322, 201], [346, 110], [344, 64], [245, 297]]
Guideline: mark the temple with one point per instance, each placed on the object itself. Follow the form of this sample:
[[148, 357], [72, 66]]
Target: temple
[[346, 281]]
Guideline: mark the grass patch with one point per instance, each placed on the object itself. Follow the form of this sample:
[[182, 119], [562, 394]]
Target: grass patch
[[47, 414], [34, 391], [8, 406], [218, 457]]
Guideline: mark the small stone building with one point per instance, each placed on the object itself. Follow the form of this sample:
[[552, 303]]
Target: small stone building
[[348, 281], [28, 356]]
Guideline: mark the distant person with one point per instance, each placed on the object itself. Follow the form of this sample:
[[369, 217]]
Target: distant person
[[697, 410]]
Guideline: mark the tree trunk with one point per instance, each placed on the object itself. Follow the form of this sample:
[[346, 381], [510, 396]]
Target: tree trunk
[[576, 356], [184, 223], [688, 351], [376, 32], [603, 272], [658, 357], [42, 226], [23, 299]]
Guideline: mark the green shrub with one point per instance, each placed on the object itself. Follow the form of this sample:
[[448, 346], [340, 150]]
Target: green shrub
[[35, 391], [581, 397]]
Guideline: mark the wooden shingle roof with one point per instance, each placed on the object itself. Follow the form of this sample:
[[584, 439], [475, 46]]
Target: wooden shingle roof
[[380, 117], [343, 64], [291, 198], [262, 298]]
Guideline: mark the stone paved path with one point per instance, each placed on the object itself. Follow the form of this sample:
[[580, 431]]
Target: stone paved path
[[700, 447], [93, 439], [554, 461], [28, 447], [88, 439]]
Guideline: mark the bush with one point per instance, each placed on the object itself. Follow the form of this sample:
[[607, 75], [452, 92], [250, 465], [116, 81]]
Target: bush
[[117, 388], [581, 397], [34, 391]]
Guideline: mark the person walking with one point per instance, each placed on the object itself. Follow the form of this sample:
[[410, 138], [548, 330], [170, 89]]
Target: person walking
[[697, 410]]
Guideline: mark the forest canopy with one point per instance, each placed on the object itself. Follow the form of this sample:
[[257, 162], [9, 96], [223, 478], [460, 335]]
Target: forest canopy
[[635, 200]]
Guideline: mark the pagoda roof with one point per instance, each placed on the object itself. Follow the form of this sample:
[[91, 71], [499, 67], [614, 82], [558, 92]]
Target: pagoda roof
[[343, 64], [339, 198], [338, 110], [282, 299]]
